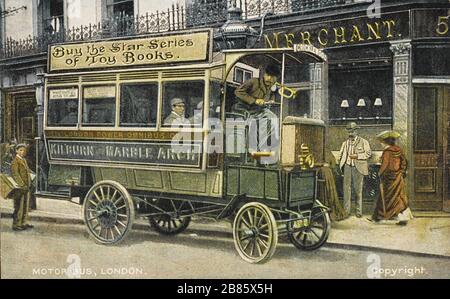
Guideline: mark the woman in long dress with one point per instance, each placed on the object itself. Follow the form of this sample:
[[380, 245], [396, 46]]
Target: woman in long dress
[[392, 203]]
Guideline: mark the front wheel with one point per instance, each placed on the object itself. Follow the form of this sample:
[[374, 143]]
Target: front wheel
[[255, 233], [315, 233], [108, 212]]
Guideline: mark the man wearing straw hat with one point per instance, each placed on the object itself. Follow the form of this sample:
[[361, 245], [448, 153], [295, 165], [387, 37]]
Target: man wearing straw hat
[[21, 173], [353, 156]]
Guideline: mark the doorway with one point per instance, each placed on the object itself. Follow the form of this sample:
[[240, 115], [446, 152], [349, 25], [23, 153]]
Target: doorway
[[431, 150], [25, 123]]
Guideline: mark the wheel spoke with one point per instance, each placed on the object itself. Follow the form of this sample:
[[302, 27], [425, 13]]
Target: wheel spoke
[[107, 193], [114, 195], [250, 218], [258, 247], [246, 246], [263, 226], [92, 202], [266, 245], [117, 230], [317, 226], [315, 234], [264, 235], [122, 215], [92, 218], [253, 247], [96, 196], [103, 198], [245, 222], [121, 207], [112, 234], [175, 226], [245, 237], [121, 223], [120, 197]]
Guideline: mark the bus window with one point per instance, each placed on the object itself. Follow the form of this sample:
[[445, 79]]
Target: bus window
[[99, 105], [183, 103], [138, 105], [63, 107]]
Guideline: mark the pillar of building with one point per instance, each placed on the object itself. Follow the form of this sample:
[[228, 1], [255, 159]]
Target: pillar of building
[[403, 104], [319, 91]]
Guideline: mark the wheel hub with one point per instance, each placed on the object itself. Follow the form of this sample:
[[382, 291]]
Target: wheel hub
[[107, 214]]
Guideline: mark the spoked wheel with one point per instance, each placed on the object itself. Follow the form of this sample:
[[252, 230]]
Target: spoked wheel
[[315, 233], [166, 225], [170, 223], [108, 212], [255, 233]]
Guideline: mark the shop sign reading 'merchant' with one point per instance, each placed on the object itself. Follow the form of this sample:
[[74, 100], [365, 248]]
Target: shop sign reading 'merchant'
[[343, 32]]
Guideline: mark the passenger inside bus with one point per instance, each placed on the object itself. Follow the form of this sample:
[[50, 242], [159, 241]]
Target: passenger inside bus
[[177, 115]]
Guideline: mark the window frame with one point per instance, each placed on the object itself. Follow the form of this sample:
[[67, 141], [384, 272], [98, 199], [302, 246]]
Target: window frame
[[116, 102], [190, 128], [158, 104], [47, 108]]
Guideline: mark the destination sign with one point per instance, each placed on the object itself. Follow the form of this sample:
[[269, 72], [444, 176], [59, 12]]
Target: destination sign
[[188, 47], [139, 153]]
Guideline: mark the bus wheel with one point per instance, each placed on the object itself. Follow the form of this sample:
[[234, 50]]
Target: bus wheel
[[166, 225], [315, 233], [108, 212], [255, 233]]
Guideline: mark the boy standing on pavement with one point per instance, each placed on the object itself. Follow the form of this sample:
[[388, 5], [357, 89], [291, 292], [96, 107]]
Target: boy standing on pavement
[[21, 174]]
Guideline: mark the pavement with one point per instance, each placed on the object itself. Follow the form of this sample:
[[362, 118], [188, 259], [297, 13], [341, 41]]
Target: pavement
[[428, 234]]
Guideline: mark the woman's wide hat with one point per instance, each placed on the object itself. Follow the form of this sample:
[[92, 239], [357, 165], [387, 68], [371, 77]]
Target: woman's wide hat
[[388, 134]]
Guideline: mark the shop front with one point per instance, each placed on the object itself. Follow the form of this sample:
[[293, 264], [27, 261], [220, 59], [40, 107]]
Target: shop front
[[387, 73]]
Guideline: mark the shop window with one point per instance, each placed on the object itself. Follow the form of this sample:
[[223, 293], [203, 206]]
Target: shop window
[[241, 75], [183, 103], [431, 60], [99, 105], [361, 95], [138, 105], [62, 107]]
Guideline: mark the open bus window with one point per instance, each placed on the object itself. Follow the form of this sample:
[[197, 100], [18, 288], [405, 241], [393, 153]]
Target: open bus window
[[63, 107], [138, 105], [183, 103], [99, 105]]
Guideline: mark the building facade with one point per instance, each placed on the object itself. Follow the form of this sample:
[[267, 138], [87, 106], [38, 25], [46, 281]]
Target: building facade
[[389, 67]]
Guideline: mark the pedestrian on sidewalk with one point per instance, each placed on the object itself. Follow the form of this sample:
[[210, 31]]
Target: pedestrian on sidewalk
[[21, 173], [392, 202], [327, 191], [353, 156]]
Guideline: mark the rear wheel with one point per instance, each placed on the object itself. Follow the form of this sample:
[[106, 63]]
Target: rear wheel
[[255, 233], [108, 212], [169, 223], [315, 233], [166, 225]]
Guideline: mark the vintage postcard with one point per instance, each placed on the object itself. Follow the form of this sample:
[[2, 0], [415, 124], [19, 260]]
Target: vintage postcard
[[248, 139]]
